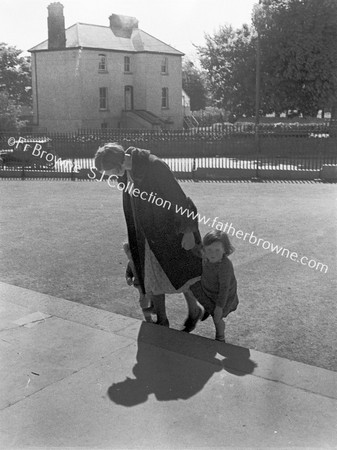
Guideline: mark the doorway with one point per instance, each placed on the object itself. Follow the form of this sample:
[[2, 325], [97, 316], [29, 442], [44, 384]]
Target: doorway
[[128, 98]]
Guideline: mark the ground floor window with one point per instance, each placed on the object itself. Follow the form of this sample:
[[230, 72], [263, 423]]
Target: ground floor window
[[103, 98], [164, 98]]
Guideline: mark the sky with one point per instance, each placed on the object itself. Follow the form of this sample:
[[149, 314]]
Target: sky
[[179, 23]]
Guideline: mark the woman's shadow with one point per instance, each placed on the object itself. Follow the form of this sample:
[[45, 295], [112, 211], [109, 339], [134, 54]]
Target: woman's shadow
[[172, 365]]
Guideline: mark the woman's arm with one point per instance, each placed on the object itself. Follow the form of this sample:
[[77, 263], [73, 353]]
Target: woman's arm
[[183, 207]]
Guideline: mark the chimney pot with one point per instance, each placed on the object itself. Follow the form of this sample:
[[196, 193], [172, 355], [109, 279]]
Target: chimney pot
[[122, 26]]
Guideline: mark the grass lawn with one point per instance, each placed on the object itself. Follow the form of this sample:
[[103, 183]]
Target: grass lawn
[[65, 239]]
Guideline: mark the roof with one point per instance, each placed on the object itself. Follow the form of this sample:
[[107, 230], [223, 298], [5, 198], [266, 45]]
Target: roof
[[100, 37]]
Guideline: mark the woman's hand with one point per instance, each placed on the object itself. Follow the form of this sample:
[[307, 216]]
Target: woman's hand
[[188, 241]]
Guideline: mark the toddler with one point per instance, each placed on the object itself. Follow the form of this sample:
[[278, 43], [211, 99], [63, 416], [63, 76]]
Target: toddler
[[132, 279], [217, 290]]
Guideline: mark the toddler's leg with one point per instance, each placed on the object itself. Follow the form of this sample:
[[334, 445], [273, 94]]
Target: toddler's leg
[[219, 330]]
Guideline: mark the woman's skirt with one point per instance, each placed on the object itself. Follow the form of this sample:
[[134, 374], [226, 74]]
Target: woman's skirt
[[156, 280]]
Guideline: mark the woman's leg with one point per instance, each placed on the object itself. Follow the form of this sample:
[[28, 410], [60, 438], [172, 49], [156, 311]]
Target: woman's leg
[[145, 304], [195, 311], [160, 309], [192, 304]]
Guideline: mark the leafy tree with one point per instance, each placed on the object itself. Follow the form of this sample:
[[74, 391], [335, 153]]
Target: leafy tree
[[229, 59], [298, 54], [298, 41], [15, 75], [194, 84], [9, 114]]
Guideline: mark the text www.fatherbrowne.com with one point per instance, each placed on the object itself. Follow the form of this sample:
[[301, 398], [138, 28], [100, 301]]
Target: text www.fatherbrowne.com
[[252, 239], [215, 223]]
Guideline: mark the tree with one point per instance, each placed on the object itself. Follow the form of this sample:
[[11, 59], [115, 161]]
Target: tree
[[298, 54], [229, 59], [15, 87], [194, 84], [298, 41], [9, 114], [15, 75]]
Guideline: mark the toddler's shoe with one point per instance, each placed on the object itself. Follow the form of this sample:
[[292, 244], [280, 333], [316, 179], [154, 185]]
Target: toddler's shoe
[[220, 338]]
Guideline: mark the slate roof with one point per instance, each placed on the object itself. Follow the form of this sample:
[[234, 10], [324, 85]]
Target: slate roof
[[102, 38]]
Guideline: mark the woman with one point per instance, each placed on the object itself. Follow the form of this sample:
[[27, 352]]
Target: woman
[[160, 238]]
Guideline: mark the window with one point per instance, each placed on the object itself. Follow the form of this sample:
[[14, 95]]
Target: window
[[164, 65], [103, 98], [104, 125], [164, 98], [102, 66], [127, 64]]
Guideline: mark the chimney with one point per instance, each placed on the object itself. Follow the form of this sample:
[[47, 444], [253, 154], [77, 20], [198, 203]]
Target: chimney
[[122, 26], [56, 28]]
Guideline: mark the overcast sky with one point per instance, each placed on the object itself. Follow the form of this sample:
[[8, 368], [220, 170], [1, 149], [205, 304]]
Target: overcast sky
[[180, 23]]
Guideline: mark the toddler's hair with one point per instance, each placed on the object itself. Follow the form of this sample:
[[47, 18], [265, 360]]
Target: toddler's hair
[[218, 236], [110, 156]]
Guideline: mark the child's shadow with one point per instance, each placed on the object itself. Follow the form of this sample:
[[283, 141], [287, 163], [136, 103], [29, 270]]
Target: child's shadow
[[172, 366]]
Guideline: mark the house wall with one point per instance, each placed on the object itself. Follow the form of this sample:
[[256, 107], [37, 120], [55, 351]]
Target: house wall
[[154, 82], [56, 90], [69, 81], [113, 79]]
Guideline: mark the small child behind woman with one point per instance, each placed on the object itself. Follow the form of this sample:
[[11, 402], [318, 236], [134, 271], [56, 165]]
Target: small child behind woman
[[217, 290], [132, 279]]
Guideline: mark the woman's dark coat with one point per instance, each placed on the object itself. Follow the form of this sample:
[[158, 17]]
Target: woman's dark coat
[[162, 226]]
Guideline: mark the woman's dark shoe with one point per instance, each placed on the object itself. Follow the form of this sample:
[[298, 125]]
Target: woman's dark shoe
[[205, 316], [191, 323], [163, 323]]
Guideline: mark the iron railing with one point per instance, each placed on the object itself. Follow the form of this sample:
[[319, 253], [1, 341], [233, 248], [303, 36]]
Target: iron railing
[[221, 146]]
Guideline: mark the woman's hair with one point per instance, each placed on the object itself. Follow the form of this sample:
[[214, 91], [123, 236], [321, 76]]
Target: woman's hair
[[110, 156], [218, 236]]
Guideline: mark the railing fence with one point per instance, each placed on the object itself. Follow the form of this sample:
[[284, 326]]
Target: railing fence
[[222, 146]]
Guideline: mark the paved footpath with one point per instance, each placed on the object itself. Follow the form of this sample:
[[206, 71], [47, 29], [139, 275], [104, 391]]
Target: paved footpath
[[76, 376]]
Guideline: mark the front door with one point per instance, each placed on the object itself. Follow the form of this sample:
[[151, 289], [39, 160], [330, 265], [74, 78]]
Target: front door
[[128, 96]]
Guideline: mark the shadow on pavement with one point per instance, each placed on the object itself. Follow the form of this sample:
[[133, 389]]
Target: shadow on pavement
[[179, 372]]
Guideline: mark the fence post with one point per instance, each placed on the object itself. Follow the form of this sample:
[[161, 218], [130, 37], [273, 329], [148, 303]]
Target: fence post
[[257, 150], [23, 175], [194, 169], [72, 169]]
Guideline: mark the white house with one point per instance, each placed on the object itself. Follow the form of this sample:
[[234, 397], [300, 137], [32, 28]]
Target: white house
[[93, 76]]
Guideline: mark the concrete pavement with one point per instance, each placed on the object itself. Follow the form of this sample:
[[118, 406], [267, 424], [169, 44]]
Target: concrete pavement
[[76, 376]]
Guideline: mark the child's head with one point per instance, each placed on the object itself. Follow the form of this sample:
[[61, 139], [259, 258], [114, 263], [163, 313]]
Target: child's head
[[216, 244], [126, 248]]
